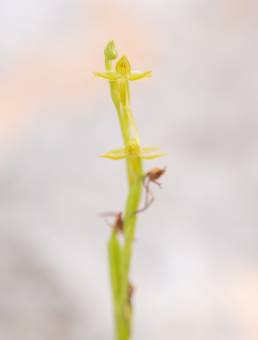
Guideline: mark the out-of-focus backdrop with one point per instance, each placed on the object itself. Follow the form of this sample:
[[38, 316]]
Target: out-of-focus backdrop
[[196, 254]]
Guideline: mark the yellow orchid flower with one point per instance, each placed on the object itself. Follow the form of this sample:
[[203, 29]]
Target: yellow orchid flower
[[123, 71], [133, 149], [119, 79]]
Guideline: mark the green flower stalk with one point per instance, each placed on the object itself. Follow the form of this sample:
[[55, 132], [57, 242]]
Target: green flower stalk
[[120, 248]]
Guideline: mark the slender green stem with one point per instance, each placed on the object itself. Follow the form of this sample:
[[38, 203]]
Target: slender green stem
[[130, 217]]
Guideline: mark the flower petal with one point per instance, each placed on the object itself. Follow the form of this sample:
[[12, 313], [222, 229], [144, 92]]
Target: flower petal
[[146, 153], [139, 75], [123, 66], [110, 75], [115, 154], [148, 150], [162, 154]]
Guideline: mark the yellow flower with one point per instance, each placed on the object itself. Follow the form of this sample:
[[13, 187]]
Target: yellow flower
[[123, 71], [133, 149]]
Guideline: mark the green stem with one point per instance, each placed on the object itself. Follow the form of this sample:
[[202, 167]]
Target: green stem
[[114, 251]]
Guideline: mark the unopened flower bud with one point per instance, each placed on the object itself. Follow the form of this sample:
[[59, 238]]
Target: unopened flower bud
[[110, 51]]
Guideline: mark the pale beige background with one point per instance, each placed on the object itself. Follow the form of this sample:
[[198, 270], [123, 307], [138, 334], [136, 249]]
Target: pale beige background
[[196, 254]]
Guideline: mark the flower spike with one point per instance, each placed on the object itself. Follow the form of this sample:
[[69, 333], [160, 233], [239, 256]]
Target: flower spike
[[119, 73]]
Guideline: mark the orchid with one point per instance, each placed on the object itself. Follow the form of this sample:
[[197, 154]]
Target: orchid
[[133, 149], [120, 247], [123, 72]]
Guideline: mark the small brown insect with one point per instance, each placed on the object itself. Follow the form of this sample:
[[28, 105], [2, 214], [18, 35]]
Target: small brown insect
[[151, 177], [118, 224]]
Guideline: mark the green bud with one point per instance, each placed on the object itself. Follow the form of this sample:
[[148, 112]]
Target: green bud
[[110, 51]]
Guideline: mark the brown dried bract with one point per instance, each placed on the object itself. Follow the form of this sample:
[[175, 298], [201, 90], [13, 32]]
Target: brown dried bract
[[155, 174], [151, 177], [128, 305], [118, 224], [131, 290]]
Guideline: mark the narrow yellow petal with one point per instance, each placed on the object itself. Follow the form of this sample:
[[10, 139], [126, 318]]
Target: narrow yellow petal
[[146, 153], [153, 156], [115, 154], [110, 75], [139, 75], [148, 150]]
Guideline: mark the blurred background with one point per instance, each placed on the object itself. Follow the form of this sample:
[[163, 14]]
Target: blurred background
[[195, 265]]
